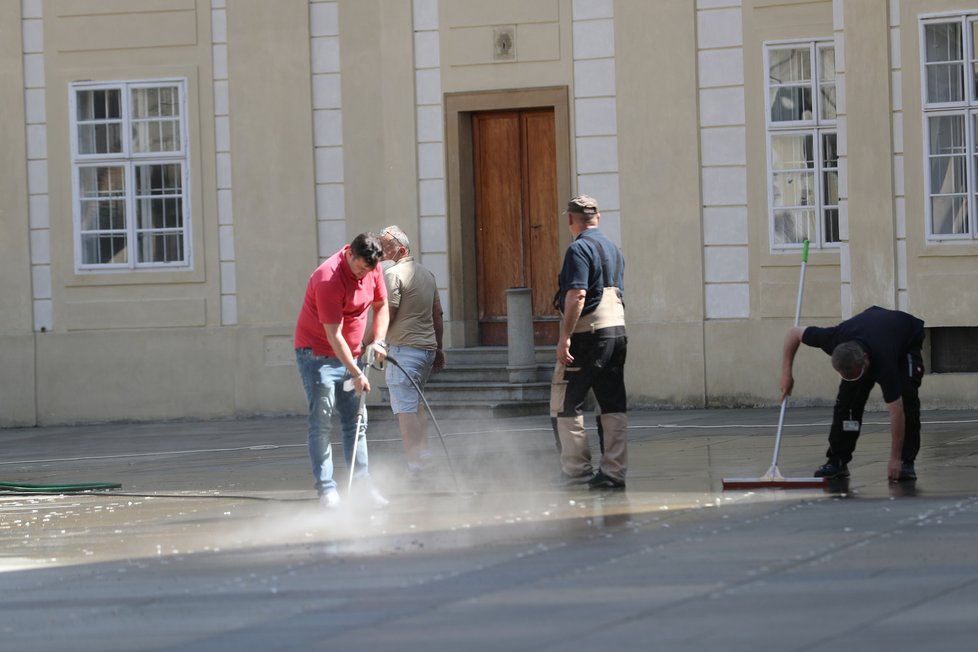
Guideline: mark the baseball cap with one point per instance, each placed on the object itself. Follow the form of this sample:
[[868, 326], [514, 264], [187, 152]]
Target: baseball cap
[[584, 204]]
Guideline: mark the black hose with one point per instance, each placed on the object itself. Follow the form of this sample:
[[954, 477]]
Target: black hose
[[430, 414]]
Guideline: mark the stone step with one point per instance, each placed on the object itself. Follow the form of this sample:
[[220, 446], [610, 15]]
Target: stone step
[[493, 355], [483, 373], [482, 392], [476, 383]]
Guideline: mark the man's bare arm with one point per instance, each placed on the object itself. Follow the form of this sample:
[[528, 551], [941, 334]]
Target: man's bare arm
[[573, 306], [792, 340], [897, 430]]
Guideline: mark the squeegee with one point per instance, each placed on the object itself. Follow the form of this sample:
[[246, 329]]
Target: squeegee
[[773, 479]]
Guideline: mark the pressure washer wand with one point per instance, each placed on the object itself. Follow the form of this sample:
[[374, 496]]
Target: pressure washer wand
[[368, 357]]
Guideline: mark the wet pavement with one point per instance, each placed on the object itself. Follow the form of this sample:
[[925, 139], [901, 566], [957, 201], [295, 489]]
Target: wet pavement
[[216, 541]]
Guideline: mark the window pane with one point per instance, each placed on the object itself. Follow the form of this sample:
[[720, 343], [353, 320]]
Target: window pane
[[792, 152], [830, 191], [104, 249], [945, 82], [105, 215], [828, 102], [947, 134], [101, 182], [157, 102], [945, 62], [791, 103], [156, 119], [102, 198], [155, 136], [947, 175], [830, 150], [789, 65], [160, 248], [790, 87], [830, 225], [793, 226], [158, 179], [943, 42], [100, 104], [100, 138], [159, 212], [949, 215], [826, 64], [826, 88], [793, 188], [99, 121]]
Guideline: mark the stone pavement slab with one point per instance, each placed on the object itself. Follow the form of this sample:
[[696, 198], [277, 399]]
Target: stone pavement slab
[[215, 541]]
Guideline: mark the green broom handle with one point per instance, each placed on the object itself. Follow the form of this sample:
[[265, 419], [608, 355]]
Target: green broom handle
[[801, 282]]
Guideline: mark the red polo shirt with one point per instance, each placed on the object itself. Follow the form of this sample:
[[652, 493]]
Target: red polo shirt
[[335, 296]]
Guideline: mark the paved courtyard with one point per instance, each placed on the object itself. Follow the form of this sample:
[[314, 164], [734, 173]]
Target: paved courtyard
[[216, 542]]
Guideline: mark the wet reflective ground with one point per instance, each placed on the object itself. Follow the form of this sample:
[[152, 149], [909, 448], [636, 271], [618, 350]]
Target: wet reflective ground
[[216, 541]]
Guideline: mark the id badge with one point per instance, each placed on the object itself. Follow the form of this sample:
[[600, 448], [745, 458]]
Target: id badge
[[850, 426]]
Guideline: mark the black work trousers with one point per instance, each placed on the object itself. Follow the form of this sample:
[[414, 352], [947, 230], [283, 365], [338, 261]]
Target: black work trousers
[[851, 401], [599, 365]]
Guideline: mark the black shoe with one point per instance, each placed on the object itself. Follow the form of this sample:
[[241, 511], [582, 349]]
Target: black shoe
[[565, 480], [907, 473], [602, 481], [832, 469]]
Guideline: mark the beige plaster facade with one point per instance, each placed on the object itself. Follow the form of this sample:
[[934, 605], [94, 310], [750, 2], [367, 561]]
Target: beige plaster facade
[[310, 121]]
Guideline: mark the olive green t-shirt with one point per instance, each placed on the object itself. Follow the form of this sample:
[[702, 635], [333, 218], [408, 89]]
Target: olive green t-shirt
[[411, 290]]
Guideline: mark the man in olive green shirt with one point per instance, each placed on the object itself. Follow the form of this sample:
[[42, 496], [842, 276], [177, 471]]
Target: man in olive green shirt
[[414, 338]]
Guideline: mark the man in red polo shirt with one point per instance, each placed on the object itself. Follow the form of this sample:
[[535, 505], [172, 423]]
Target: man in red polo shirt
[[328, 336]]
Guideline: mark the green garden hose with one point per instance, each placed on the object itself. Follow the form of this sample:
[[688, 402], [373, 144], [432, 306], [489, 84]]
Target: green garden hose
[[25, 487]]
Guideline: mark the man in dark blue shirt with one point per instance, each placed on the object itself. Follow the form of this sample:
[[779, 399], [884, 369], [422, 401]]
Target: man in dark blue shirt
[[591, 351], [877, 346]]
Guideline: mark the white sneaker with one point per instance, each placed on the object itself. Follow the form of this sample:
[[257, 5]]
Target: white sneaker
[[330, 499]]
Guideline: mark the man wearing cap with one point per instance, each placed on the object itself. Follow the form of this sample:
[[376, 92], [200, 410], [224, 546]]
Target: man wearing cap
[[328, 336], [590, 351]]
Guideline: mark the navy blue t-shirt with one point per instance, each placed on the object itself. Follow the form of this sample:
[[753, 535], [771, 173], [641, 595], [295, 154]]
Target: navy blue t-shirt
[[886, 335], [583, 268]]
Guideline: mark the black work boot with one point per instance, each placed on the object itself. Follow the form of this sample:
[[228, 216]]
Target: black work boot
[[603, 481], [832, 469]]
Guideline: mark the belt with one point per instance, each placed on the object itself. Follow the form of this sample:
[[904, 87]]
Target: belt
[[605, 333]]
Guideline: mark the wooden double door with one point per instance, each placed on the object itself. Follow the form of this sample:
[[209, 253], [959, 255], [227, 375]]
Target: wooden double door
[[516, 217]]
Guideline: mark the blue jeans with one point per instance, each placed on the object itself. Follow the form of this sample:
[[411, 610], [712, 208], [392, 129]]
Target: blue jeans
[[322, 378]]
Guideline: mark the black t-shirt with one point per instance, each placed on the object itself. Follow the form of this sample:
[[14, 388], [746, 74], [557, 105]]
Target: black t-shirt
[[886, 335], [583, 268]]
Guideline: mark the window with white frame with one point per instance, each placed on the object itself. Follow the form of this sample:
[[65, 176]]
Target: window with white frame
[[950, 100], [130, 174], [803, 161]]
